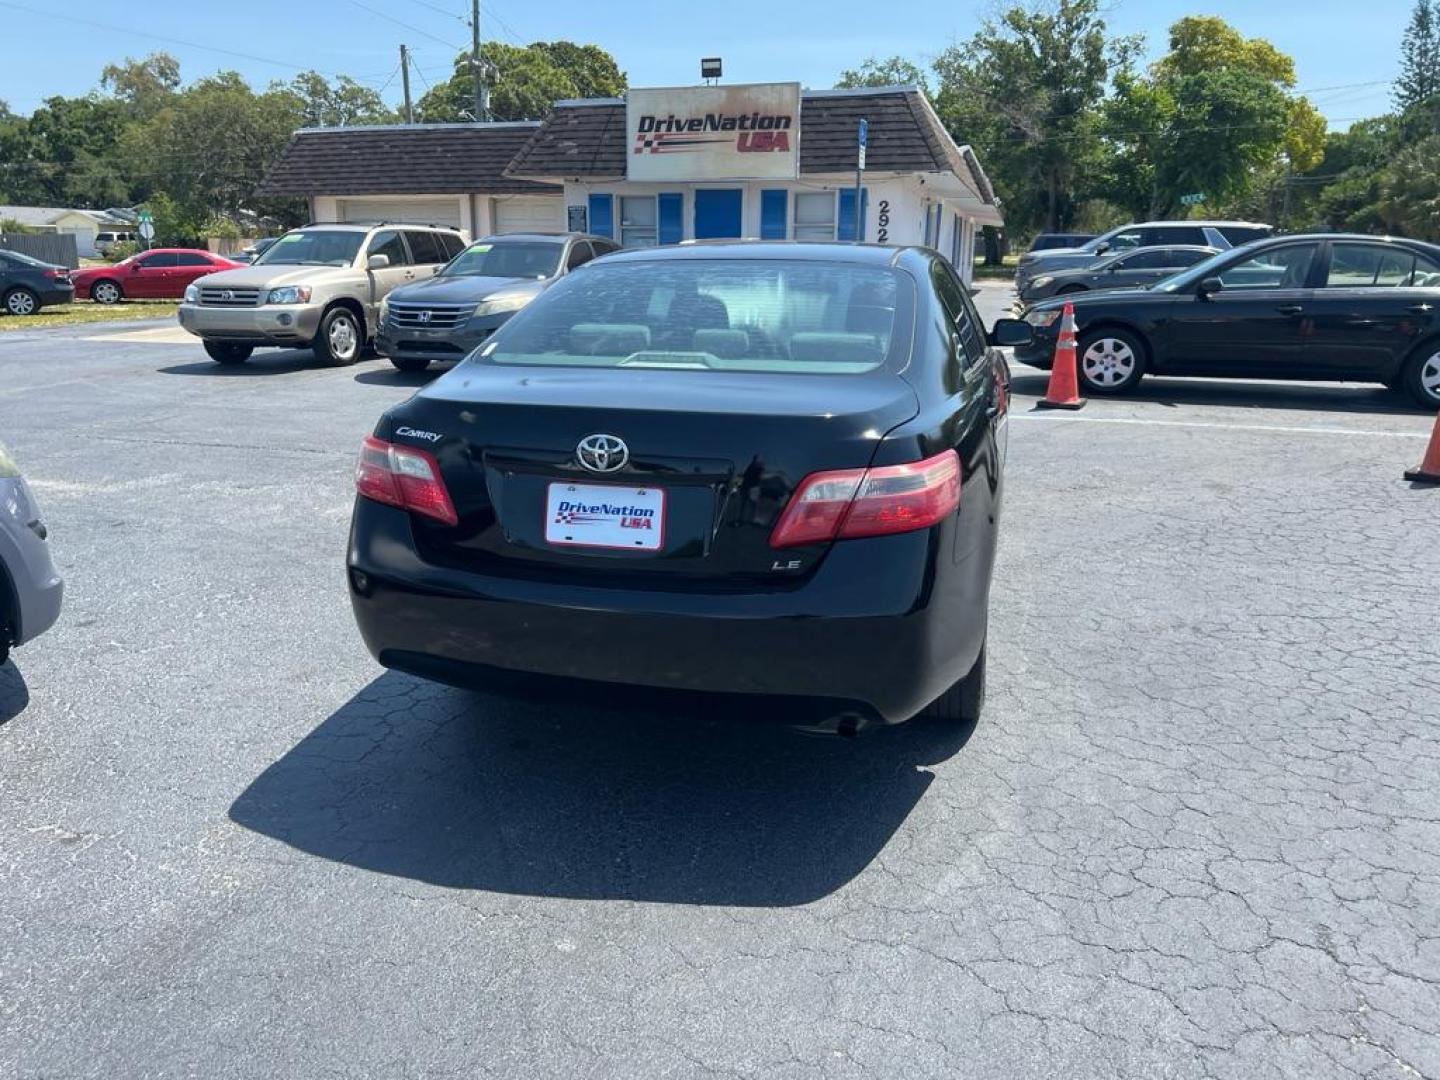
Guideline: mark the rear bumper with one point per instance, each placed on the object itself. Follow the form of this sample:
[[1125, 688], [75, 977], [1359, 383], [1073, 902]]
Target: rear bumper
[[277, 325], [886, 624], [53, 296]]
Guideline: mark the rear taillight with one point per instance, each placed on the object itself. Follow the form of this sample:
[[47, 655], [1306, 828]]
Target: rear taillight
[[405, 477], [851, 503], [58, 275]]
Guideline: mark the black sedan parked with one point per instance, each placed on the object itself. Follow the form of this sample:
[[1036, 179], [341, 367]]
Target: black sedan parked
[[471, 296], [1331, 307], [1127, 270], [27, 284], [772, 469]]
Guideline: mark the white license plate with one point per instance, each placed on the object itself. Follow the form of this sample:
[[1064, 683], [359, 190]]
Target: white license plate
[[605, 516]]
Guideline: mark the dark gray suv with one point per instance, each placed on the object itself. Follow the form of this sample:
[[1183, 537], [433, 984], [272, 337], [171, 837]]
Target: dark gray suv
[[471, 296]]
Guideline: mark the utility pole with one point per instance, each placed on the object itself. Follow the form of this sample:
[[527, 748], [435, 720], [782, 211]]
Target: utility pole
[[405, 82], [480, 110]]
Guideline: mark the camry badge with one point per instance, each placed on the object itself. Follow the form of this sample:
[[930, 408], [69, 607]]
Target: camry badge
[[602, 453]]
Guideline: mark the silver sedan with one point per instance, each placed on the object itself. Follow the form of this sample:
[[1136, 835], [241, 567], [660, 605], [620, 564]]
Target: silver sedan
[[30, 588]]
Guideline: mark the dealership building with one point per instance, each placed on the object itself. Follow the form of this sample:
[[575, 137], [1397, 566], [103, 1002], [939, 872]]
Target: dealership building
[[662, 166]]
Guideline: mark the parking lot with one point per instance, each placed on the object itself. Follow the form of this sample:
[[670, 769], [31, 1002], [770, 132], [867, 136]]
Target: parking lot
[[1196, 835]]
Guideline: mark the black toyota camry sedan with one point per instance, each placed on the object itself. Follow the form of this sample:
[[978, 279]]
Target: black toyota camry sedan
[[1325, 307], [770, 469]]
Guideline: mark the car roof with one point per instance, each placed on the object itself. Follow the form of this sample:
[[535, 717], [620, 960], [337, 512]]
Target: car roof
[[557, 237], [814, 251], [1212, 222], [366, 226]]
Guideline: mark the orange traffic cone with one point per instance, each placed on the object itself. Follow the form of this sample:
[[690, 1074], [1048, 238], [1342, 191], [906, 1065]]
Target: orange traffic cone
[[1428, 471], [1063, 391]]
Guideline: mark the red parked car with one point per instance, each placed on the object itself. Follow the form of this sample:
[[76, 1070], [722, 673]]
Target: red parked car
[[157, 274]]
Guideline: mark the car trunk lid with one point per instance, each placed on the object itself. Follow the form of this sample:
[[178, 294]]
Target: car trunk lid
[[712, 459]]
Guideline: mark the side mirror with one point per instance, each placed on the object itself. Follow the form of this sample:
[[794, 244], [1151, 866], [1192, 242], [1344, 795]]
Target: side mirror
[[1209, 287], [1013, 332], [377, 262], [1102, 247]]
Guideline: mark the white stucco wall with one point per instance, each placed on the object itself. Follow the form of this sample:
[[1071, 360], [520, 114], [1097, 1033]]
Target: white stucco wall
[[901, 200]]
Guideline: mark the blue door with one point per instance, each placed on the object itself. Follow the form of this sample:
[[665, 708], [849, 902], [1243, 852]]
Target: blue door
[[717, 213]]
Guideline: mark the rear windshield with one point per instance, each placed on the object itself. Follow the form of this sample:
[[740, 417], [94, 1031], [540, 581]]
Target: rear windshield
[[511, 259], [324, 247], [713, 315]]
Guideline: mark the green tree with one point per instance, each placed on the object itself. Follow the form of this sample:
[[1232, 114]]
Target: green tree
[[891, 71], [1025, 90], [524, 81], [323, 103], [144, 86], [209, 149], [63, 154], [1419, 79], [1212, 117], [1409, 201]]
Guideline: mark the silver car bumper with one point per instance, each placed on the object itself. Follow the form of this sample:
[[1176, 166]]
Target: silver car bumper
[[25, 558], [277, 325]]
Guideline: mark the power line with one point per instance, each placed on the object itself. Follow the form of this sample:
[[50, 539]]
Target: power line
[[405, 25], [133, 32]]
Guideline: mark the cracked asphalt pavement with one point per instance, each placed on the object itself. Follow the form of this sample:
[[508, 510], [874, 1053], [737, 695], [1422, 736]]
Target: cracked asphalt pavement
[[1196, 835]]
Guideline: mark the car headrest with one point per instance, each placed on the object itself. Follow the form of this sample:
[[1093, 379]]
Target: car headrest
[[819, 347], [609, 339], [724, 343]]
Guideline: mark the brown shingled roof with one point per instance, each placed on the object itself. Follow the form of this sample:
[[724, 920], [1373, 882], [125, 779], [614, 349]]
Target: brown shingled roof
[[421, 159], [586, 139]]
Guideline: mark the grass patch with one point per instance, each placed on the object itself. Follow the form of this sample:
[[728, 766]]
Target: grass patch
[[87, 312]]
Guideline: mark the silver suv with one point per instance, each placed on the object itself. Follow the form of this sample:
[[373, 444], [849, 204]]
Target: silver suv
[[30, 589], [318, 287]]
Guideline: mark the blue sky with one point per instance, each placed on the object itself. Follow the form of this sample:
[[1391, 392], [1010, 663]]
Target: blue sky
[[59, 49]]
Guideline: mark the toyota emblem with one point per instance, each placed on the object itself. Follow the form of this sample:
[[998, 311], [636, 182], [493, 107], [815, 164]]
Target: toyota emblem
[[602, 453]]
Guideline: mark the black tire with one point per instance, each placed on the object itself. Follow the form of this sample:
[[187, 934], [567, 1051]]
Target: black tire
[[341, 338], [224, 352], [106, 291], [1116, 360], [22, 302], [965, 701], [1421, 378], [411, 364]]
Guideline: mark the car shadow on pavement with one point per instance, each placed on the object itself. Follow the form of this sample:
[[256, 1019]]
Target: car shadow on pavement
[[390, 376], [267, 362], [643, 797], [14, 694], [1241, 393]]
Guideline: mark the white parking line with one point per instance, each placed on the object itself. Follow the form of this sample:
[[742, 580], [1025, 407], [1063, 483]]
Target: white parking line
[[1278, 429], [160, 335]]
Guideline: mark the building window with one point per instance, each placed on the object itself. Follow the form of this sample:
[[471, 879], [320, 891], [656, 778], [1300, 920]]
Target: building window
[[639, 221], [814, 215]]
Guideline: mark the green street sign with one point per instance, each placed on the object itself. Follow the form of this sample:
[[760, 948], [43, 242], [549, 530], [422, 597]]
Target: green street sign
[[1192, 200]]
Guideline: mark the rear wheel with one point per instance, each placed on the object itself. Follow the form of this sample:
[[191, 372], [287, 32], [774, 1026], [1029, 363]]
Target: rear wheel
[[105, 292], [1110, 361], [223, 352], [963, 702], [410, 363], [21, 302], [340, 338], [1422, 377]]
